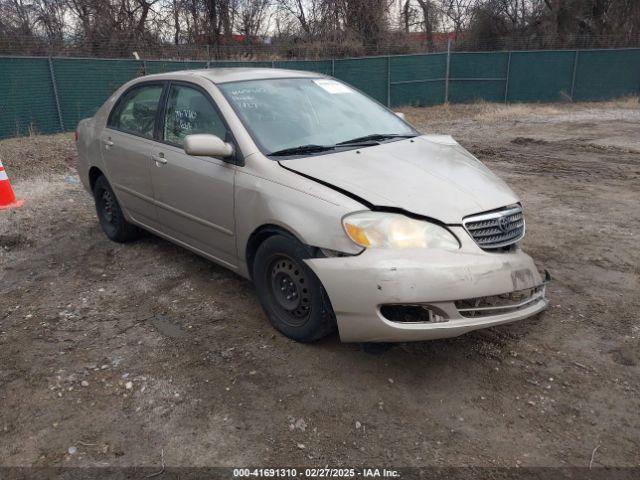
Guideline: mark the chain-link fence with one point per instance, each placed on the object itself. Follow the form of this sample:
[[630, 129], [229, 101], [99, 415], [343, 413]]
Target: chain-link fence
[[273, 49], [51, 94]]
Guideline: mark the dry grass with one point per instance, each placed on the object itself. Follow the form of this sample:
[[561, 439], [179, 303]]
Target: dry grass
[[36, 192], [497, 112], [37, 155]]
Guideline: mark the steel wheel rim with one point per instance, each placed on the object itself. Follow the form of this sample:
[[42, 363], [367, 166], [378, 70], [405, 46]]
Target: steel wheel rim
[[108, 205], [108, 211], [289, 288]]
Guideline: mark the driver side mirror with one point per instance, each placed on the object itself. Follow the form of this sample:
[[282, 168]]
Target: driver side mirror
[[206, 145], [400, 114]]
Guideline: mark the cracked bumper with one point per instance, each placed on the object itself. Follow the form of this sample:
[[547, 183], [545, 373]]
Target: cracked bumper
[[359, 285]]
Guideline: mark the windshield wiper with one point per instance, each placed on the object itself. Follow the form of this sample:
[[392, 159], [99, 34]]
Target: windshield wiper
[[366, 141], [302, 150], [376, 137]]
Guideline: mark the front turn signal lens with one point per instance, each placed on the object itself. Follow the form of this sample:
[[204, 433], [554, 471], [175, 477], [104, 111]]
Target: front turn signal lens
[[357, 234]]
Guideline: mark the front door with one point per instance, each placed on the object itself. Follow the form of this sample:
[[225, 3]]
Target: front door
[[127, 145], [194, 195]]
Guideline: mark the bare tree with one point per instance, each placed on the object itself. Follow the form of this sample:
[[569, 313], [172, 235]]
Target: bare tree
[[429, 20], [330, 27], [251, 16], [459, 13]]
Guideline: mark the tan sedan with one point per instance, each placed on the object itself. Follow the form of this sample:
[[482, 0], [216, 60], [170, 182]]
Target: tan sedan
[[340, 212]]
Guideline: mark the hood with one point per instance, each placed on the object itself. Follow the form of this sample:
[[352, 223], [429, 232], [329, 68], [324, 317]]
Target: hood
[[431, 176]]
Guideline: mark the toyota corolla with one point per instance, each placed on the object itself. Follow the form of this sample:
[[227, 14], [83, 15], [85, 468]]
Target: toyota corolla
[[341, 213]]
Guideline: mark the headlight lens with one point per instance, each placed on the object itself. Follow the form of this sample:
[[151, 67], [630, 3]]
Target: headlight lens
[[392, 230]]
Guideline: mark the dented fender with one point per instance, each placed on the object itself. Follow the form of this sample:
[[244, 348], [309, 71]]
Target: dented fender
[[267, 194]]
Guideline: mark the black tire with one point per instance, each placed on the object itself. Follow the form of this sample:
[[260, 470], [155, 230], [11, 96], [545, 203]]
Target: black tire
[[110, 215], [290, 293]]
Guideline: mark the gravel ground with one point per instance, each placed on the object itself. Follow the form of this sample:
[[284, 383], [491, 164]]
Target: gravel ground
[[111, 354]]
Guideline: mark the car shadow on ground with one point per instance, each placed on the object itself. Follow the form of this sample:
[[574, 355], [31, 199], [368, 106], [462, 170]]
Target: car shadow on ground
[[485, 343]]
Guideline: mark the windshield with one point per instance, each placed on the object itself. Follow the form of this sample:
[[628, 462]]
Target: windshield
[[305, 116]]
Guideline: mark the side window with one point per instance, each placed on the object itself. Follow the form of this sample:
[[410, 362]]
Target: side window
[[188, 112], [136, 111]]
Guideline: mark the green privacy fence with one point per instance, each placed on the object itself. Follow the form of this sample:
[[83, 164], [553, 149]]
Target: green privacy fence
[[48, 95]]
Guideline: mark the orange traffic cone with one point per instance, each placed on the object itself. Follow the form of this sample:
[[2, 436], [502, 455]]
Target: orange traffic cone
[[7, 198]]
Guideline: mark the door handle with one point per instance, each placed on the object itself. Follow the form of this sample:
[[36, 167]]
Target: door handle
[[159, 159]]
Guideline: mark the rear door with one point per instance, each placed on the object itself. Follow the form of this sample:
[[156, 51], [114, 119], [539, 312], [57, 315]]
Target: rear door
[[127, 146], [194, 195]]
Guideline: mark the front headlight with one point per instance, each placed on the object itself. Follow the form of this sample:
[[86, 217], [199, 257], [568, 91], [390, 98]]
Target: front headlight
[[392, 230]]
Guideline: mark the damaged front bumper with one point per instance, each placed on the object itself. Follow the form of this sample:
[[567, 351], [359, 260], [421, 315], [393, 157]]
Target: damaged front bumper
[[415, 294]]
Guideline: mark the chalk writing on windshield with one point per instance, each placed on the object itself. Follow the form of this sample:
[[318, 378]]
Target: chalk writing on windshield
[[245, 98]]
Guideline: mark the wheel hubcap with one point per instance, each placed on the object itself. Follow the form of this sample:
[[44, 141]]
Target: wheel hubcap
[[290, 290]]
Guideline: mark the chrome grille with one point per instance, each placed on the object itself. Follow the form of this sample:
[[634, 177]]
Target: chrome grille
[[496, 229]]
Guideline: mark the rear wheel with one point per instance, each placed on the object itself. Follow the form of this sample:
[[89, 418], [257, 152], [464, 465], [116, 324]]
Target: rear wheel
[[292, 296], [110, 215]]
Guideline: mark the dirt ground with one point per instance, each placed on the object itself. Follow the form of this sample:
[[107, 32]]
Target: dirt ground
[[111, 354]]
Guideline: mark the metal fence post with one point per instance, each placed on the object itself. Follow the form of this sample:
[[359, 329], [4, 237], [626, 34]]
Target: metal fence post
[[573, 75], [388, 80], [208, 56], [506, 82], [446, 78], [55, 93], [333, 67]]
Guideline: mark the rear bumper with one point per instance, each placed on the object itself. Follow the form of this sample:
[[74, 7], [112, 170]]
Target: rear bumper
[[359, 285]]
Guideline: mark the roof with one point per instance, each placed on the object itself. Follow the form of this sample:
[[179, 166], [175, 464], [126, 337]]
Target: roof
[[226, 75]]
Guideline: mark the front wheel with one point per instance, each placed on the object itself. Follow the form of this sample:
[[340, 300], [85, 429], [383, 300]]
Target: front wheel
[[292, 296]]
